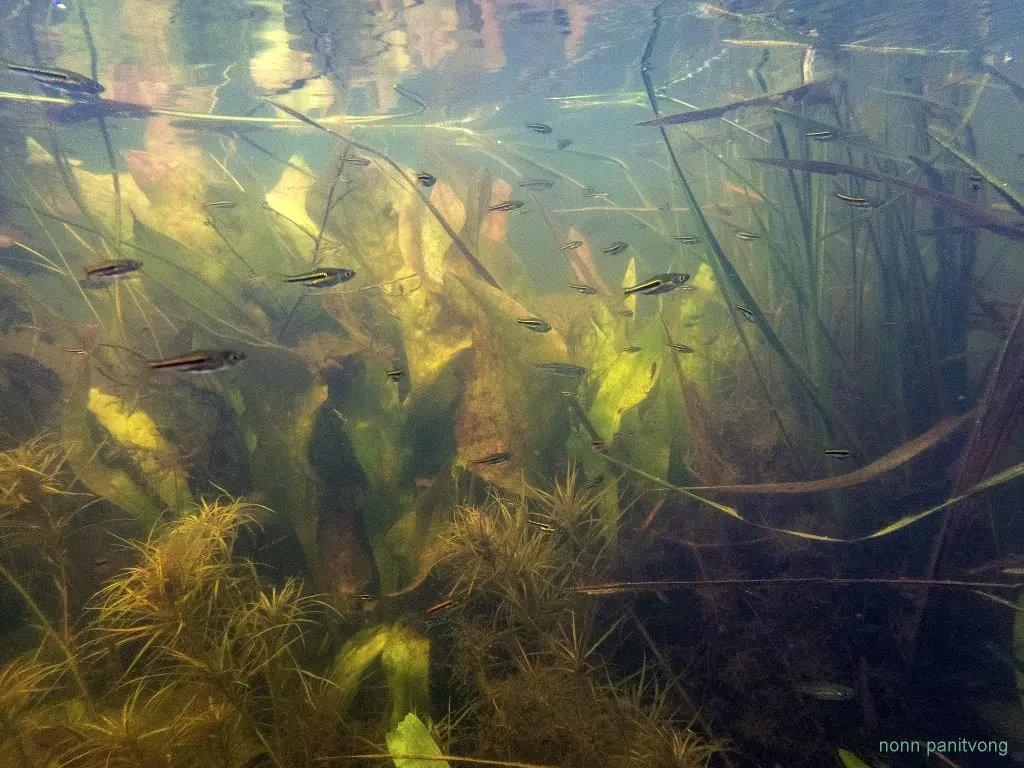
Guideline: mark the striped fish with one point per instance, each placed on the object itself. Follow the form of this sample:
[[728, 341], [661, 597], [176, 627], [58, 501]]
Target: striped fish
[[562, 369], [508, 205], [537, 185], [199, 361], [663, 283], [534, 324], [55, 77], [323, 278], [494, 458], [115, 268]]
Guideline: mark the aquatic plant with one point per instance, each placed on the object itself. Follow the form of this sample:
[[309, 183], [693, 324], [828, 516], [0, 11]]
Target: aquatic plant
[[548, 713], [37, 503]]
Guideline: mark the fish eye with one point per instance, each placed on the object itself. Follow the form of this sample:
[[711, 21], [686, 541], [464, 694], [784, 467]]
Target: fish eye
[[235, 357]]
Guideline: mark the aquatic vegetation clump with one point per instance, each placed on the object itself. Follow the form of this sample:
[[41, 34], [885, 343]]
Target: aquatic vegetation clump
[[531, 655], [522, 555], [207, 648], [24, 685], [37, 503], [547, 713]]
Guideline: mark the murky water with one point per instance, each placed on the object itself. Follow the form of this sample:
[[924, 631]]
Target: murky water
[[519, 383]]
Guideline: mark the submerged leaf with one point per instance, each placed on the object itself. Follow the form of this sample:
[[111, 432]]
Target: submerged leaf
[[137, 433], [627, 381], [406, 662], [354, 658], [503, 408], [850, 760], [411, 737], [819, 90]]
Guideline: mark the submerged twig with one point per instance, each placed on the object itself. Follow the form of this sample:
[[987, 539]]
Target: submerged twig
[[627, 587]]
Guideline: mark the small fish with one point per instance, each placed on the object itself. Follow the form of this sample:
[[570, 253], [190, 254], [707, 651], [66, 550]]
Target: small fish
[[976, 181], [594, 483], [586, 290], [295, 85], [838, 453], [631, 350], [541, 526], [572, 245], [615, 248], [537, 185], [394, 374], [626, 312], [426, 179], [663, 283], [220, 204], [101, 562], [495, 458], [59, 5], [858, 202], [324, 277], [541, 128], [594, 194], [77, 351], [360, 161], [55, 77], [562, 143], [108, 269], [562, 369], [825, 135], [199, 361], [682, 348], [745, 191], [827, 691], [444, 605], [598, 445], [688, 239], [747, 314], [534, 324], [508, 205], [747, 236]]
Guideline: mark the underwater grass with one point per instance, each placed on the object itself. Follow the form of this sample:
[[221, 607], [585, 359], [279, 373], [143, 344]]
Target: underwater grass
[[726, 273]]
